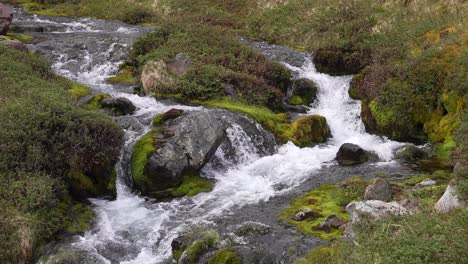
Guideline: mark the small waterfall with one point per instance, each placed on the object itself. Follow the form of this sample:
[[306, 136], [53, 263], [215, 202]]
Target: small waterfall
[[134, 229]]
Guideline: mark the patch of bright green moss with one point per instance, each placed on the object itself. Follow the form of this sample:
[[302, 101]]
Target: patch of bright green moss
[[79, 90], [382, 116], [322, 254], [192, 184], [308, 131], [158, 120], [325, 200], [125, 76], [202, 245], [142, 151], [225, 256], [96, 101], [296, 100]]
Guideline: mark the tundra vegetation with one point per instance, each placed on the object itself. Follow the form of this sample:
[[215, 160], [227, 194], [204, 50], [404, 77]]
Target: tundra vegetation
[[409, 59]]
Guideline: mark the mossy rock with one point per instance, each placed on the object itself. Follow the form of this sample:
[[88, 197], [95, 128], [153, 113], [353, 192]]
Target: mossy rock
[[95, 103], [309, 130], [191, 182], [142, 151], [191, 246], [125, 76], [325, 200], [171, 114], [225, 256], [337, 61], [303, 92]]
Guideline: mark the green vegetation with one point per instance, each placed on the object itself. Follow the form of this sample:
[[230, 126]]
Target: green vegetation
[[225, 256], [325, 200], [96, 102], [425, 237], [142, 151], [308, 131], [78, 90], [192, 184], [54, 154], [209, 239], [125, 76]]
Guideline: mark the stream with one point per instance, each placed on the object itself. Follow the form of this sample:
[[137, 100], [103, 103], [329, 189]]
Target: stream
[[136, 229]]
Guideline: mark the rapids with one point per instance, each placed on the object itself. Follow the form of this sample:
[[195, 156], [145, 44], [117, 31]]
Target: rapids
[[135, 229]]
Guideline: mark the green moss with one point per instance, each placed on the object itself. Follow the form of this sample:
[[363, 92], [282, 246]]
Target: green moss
[[79, 90], [383, 116], [158, 120], [171, 114], [95, 102], [325, 200], [276, 123], [296, 100], [225, 256], [198, 247], [192, 184], [308, 131], [322, 254], [125, 76], [142, 151]]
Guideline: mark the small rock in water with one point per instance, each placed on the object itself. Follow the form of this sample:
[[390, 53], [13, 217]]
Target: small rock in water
[[251, 227], [425, 183], [332, 221], [119, 106], [380, 190], [449, 201], [351, 154], [373, 209], [306, 214]]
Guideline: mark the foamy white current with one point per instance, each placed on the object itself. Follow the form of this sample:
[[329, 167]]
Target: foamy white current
[[141, 230]]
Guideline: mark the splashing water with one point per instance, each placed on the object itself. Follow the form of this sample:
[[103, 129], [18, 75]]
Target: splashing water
[[134, 229]]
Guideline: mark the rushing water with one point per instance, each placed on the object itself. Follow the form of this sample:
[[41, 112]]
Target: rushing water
[[134, 229]]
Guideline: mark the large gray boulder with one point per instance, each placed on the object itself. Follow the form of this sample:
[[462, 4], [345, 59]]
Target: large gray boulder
[[185, 144], [6, 16], [351, 154], [449, 201], [374, 209], [380, 190]]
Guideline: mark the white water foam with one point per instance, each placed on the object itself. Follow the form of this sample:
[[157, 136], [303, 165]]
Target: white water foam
[[144, 229]]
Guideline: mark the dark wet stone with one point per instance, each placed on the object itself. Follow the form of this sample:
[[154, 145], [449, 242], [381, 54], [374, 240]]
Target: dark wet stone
[[332, 221], [305, 215], [351, 154]]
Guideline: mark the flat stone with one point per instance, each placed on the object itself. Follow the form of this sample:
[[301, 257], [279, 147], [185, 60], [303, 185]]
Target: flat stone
[[374, 209]]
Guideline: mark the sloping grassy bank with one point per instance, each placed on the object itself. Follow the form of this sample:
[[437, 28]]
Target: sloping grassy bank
[[54, 156]]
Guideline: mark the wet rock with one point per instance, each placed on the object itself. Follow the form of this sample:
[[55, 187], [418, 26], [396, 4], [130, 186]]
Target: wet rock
[[180, 64], [17, 45], [332, 221], [411, 153], [302, 92], [373, 209], [185, 145], [6, 16], [310, 130], [380, 190], [306, 214], [169, 115], [129, 122], [252, 228], [425, 183], [449, 201], [118, 106], [156, 79], [351, 154]]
